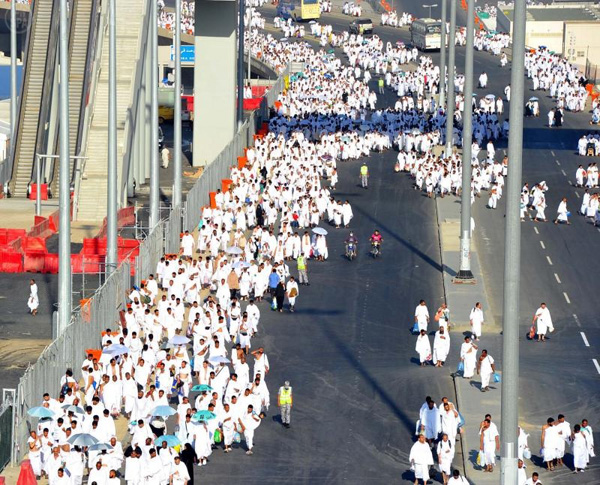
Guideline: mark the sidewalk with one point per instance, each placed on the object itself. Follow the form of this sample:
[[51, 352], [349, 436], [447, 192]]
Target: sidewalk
[[471, 402]]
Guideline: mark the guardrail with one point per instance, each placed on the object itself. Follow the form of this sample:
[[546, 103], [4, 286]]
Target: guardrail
[[68, 351]]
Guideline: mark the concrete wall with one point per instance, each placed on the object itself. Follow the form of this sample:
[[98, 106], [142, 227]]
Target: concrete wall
[[549, 34], [582, 42]]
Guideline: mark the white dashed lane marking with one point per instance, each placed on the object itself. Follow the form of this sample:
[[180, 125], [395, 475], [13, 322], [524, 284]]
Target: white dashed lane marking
[[549, 260], [557, 278], [542, 244], [566, 297], [597, 365], [585, 340]]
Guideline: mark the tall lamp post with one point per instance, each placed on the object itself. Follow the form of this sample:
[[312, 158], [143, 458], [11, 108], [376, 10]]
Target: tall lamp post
[[464, 273], [430, 7], [512, 254]]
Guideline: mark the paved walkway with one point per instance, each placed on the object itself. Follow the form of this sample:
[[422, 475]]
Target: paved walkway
[[472, 404]]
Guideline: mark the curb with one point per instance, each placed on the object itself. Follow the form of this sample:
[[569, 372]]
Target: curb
[[463, 438]]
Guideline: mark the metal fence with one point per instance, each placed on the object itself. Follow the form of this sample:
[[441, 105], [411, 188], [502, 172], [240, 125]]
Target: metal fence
[[6, 419], [173, 231], [151, 250], [68, 350], [592, 73]]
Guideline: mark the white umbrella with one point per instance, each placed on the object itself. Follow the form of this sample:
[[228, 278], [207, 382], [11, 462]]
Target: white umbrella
[[320, 231], [240, 264], [217, 359], [234, 250], [490, 96], [101, 447], [116, 350], [82, 439], [179, 340]]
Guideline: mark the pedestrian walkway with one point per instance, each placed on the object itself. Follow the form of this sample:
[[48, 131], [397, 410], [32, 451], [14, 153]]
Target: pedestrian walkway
[[472, 403]]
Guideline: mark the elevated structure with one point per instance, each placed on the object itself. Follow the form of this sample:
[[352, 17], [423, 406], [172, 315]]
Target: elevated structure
[[567, 28], [131, 33], [214, 78]]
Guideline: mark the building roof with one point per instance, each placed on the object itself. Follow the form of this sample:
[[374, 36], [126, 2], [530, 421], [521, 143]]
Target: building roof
[[556, 14]]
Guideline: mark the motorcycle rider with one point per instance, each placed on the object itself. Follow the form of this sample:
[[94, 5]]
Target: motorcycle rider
[[376, 239], [351, 240]]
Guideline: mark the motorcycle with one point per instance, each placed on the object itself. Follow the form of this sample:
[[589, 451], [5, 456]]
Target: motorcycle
[[375, 249], [351, 250]]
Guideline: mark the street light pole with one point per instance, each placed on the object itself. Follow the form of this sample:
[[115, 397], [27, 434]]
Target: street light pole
[[154, 176], [451, 95], [442, 86], [430, 7], [240, 66], [512, 255], [464, 273], [64, 231], [111, 216], [177, 111]]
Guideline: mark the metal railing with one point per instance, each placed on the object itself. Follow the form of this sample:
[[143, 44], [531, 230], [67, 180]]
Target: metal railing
[[592, 73], [151, 250], [6, 421], [173, 231], [68, 351]]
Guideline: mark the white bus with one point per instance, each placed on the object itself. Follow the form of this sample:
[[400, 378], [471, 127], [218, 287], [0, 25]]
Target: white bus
[[426, 34]]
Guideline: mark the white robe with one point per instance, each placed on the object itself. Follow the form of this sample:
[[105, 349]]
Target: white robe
[[423, 348], [441, 347], [421, 459], [468, 353]]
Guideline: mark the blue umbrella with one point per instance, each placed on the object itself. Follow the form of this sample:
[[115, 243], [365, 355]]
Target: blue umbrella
[[170, 439], [201, 388], [40, 412], [163, 411], [82, 439], [203, 416]]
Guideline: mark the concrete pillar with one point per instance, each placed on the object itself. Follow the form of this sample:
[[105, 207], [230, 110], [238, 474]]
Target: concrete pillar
[[214, 78]]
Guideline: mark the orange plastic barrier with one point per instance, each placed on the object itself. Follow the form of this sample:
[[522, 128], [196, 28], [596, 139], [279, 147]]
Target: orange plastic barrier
[[96, 353], [11, 262], [9, 235], [44, 192], [33, 261], [51, 263], [242, 162], [26, 476], [225, 184], [213, 201], [34, 244], [86, 311]]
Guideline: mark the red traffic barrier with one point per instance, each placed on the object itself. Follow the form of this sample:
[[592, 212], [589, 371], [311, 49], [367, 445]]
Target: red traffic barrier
[[43, 194], [26, 476], [33, 261], [94, 245], [213, 200], [242, 162], [11, 262], [51, 263], [37, 244]]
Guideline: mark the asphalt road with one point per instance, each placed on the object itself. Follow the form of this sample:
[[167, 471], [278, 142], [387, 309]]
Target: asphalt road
[[348, 351]]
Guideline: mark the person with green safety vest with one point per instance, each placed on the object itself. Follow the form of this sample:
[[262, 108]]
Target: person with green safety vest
[[364, 175], [380, 83], [285, 401], [302, 274]]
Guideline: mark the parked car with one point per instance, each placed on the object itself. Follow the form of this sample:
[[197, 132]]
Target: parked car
[[361, 26]]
